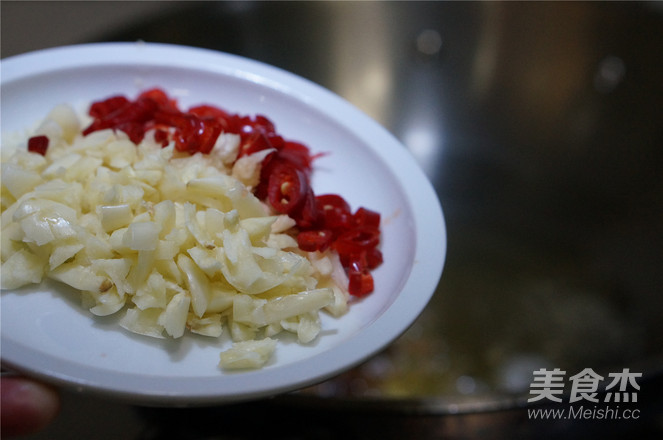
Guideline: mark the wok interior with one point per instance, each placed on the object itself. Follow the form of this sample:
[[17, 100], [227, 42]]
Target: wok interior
[[539, 126]]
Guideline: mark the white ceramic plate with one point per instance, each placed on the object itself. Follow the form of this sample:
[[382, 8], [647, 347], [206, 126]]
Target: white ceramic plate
[[45, 333]]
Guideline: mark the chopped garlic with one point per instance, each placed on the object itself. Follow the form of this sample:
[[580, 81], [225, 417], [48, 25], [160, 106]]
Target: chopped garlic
[[174, 243], [248, 354]]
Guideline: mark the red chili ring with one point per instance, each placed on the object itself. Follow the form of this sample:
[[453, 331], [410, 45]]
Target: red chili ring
[[356, 240]]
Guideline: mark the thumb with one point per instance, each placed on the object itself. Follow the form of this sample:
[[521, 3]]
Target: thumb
[[27, 406]]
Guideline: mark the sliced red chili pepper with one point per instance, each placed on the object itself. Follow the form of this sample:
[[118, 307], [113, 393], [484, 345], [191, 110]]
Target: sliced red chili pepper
[[360, 282], [307, 215], [287, 188], [101, 109], [263, 123], [366, 217], [314, 240], [298, 154], [38, 144], [171, 119], [232, 124], [193, 134], [244, 125], [354, 261], [259, 123], [134, 130], [161, 137], [227, 121], [126, 117], [334, 211], [252, 143], [266, 168], [275, 140], [208, 111], [210, 131], [366, 259], [374, 258], [356, 240], [141, 110], [160, 97], [333, 201], [187, 128]]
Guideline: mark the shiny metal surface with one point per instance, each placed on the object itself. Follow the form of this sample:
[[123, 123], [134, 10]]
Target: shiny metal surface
[[540, 126]]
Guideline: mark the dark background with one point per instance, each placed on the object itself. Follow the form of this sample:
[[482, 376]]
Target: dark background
[[540, 125]]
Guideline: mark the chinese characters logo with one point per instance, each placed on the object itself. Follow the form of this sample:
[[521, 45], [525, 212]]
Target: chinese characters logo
[[549, 384]]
